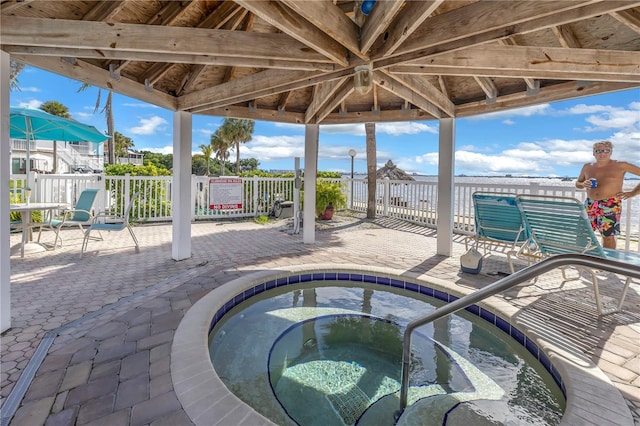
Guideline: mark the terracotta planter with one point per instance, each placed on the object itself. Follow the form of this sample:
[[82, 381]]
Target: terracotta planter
[[327, 214]]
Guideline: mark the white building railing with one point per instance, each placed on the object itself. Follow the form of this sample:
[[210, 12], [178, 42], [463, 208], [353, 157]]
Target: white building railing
[[412, 201]]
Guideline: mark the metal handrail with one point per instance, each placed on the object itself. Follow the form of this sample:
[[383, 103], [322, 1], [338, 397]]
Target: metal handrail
[[500, 285]]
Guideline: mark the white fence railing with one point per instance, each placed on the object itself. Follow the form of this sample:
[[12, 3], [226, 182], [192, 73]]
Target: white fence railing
[[413, 201]]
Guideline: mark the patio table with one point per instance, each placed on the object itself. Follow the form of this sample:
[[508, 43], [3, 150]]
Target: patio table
[[25, 211]]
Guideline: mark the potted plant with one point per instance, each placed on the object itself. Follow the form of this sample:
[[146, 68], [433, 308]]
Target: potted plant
[[329, 196]]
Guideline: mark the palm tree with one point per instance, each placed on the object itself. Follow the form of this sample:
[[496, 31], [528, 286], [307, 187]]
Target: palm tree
[[207, 150], [108, 112], [220, 143], [370, 130], [239, 131], [15, 68], [55, 108], [122, 144]]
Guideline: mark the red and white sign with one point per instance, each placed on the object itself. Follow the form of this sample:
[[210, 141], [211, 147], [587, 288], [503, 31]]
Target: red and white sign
[[225, 193]]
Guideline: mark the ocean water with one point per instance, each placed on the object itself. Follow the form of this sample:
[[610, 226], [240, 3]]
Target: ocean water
[[544, 183]]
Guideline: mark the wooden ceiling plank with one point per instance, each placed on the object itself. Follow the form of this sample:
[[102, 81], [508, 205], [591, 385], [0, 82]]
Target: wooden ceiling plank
[[379, 20], [629, 17], [408, 20], [322, 94], [98, 77], [493, 32], [391, 84], [298, 28], [168, 58], [481, 17], [427, 90], [331, 20], [11, 5], [152, 38], [103, 11], [566, 36]]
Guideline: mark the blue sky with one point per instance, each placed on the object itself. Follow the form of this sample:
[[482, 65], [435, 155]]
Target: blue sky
[[550, 139]]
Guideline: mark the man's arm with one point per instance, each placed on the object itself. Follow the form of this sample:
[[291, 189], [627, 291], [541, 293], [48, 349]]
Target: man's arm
[[580, 182], [633, 169]]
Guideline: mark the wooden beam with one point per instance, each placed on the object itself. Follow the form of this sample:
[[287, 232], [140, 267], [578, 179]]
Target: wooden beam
[[168, 58], [98, 77], [427, 91], [566, 36], [406, 23], [331, 20], [443, 33], [298, 28], [629, 17], [344, 89], [378, 21], [487, 86], [531, 62], [152, 39], [254, 86], [394, 85], [323, 94], [557, 92]]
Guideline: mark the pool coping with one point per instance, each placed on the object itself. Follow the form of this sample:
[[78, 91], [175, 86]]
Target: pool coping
[[591, 397]]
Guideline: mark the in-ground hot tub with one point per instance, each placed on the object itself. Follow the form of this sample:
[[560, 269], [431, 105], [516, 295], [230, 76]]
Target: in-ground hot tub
[[276, 359]]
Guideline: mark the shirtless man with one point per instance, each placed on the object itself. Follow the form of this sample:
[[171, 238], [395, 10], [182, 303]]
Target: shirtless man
[[604, 202]]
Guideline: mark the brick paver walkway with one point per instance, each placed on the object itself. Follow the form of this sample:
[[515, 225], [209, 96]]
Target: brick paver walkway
[[107, 320]]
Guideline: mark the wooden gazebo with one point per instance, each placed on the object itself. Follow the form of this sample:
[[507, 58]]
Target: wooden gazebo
[[322, 62]]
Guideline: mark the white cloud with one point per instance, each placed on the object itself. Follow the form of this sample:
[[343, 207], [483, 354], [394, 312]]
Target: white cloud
[[393, 129], [34, 103], [139, 105], [542, 109], [149, 126], [30, 89], [606, 117], [164, 150], [475, 163]]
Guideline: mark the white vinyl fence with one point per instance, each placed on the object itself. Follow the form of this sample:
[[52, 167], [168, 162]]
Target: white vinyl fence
[[412, 201]]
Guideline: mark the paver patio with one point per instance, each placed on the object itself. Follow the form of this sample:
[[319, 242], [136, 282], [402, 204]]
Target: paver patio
[[108, 319]]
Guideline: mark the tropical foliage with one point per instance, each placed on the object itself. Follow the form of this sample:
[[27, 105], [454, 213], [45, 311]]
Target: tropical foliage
[[153, 193]]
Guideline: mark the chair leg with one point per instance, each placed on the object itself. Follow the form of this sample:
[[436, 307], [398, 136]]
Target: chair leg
[[85, 241], [135, 240], [624, 292], [596, 291], [57, 231]]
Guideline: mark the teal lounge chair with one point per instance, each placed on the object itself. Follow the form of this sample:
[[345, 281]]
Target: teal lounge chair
[[112, 223], [560, 225], [498, 223], [80, 216]]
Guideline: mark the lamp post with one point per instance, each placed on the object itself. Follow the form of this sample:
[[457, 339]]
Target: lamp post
[[352, 153]]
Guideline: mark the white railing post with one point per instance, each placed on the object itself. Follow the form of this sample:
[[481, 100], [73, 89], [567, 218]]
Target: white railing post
[[195, 192], [535, 188], [386, 196]]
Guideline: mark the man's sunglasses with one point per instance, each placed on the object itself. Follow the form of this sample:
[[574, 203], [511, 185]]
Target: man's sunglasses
[[600, 151]]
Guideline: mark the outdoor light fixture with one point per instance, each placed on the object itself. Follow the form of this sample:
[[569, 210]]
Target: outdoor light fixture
[[367, 6], [362, 81]]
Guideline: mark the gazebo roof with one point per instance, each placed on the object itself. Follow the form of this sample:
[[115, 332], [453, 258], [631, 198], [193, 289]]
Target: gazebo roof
[[294, 61]]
